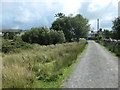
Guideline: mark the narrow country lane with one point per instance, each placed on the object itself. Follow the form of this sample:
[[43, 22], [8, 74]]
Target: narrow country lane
[[98, 68]]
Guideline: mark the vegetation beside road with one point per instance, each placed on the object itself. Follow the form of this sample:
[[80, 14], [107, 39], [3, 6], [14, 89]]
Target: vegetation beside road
[[112, 46], [73, 27], [27, 64], [42, 63], [11, 46], [109, 39], [43, 36], [108, 34], [64, 29], [42, 54]]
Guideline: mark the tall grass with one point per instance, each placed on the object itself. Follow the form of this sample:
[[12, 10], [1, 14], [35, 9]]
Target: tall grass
[[43, 63]]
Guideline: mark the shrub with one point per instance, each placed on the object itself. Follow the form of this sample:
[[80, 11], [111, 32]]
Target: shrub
[[17, 38], [9, 35], [14, 46], [56, 37], [43, 36]]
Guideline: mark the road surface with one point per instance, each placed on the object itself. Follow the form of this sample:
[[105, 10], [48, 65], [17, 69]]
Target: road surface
[[98, 68]]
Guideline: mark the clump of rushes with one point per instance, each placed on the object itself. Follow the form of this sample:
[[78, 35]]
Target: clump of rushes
[[43, 63]]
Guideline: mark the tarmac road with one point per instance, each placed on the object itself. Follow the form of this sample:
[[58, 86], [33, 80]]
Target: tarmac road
[[97, 68]]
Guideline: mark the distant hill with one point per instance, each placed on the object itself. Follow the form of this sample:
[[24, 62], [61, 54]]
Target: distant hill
[[10, 30]]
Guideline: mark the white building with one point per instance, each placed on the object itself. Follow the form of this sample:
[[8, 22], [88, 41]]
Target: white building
[[119, 8]]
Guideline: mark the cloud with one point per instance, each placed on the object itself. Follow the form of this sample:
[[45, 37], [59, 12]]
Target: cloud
[[70, 6], [26, 17], [25, 14], [94, 10], [28, 14]]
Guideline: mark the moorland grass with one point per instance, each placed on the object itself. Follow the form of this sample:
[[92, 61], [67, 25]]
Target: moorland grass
[[41, 63]]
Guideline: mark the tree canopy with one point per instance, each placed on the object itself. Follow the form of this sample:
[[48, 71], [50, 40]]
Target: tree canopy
[[73, 27], [116, 28]]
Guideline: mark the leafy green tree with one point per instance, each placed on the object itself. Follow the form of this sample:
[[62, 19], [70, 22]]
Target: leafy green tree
[[107, 34], [65, 25], [73, 27], [116, 28], [81, 27]]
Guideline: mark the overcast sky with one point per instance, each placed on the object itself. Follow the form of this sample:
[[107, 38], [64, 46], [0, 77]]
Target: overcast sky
[[25, 14]]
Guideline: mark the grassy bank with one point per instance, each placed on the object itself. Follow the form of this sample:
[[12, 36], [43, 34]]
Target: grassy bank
[[114, 47], [42, 66], [65, 75]]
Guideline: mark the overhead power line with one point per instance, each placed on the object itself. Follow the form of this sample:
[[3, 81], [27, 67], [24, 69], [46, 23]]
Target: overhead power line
[[105, 10]]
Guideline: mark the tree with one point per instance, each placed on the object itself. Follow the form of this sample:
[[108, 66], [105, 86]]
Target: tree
[[81, 27], [107, 34], [63, 24], [73, 27], [60, 15], [116, 28]]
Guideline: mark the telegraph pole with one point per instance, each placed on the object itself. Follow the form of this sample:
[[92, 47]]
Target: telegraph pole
[[97, 24]]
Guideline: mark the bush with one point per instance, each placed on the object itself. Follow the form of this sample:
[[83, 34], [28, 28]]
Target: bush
[[56, 37], [9, 35], [14, 46], [43, 36], [17, 38]]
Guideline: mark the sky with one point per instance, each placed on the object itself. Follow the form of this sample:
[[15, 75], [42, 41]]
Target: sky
[[25, 14]]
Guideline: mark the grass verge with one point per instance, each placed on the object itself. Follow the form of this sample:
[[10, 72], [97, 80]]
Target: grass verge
[[115, 50], [65, 75], [40, 67]]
